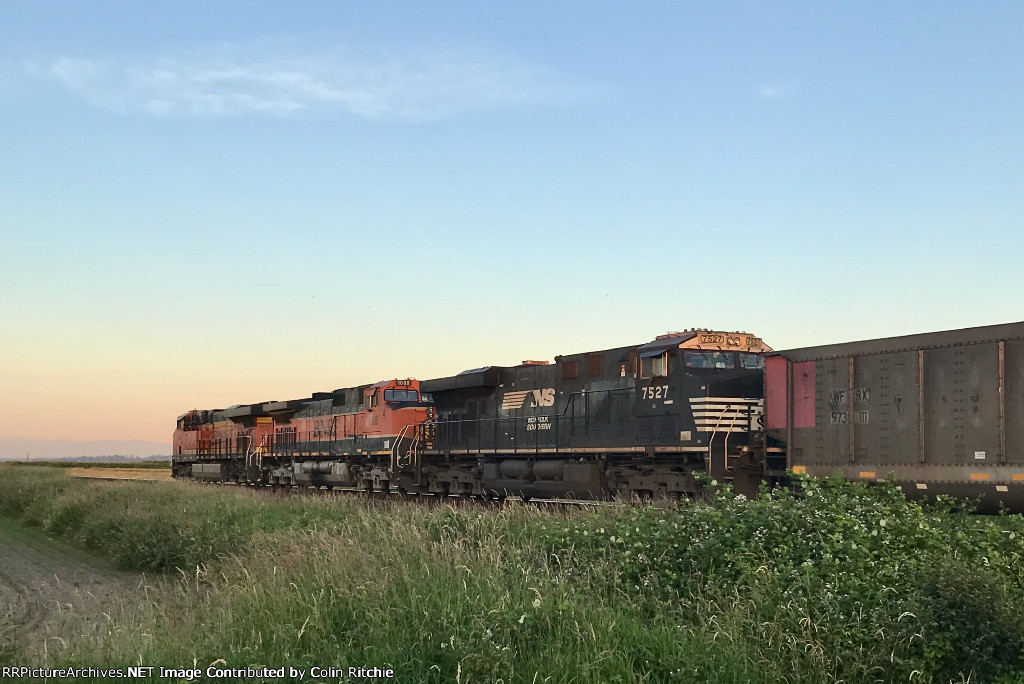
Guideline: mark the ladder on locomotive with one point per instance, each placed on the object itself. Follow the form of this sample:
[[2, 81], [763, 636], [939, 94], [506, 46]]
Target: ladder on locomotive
[[254, 457], [730, 413], [415, 435]]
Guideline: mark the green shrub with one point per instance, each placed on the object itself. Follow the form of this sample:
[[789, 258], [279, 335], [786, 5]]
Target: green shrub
[[831, 577], [972, 621]]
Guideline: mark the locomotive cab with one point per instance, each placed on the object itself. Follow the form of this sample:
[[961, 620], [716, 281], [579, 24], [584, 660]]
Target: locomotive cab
[[390, 405], [701, 390]]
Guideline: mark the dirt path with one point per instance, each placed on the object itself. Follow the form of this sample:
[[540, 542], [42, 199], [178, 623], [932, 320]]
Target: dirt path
[[50, 592], [123, 473]]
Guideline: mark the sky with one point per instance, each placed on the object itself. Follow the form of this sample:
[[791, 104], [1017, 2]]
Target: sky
[[205, 204]]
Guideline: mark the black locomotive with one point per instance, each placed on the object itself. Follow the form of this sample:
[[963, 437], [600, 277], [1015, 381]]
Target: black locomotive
[[641, 420]]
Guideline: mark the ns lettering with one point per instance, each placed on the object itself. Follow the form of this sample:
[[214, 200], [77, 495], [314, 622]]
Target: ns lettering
[[544, 397]]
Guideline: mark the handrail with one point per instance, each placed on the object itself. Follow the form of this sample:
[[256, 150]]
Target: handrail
[[411, 453], [254, 457], [711, 439], [395, 450], [748, 419]]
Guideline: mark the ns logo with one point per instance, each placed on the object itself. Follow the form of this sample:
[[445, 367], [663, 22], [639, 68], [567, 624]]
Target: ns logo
[[513, 401]]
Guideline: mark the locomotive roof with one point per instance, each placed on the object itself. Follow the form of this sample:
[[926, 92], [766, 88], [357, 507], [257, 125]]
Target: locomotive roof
[[263, 408], [477, 377], [476, 370], [664, 343]]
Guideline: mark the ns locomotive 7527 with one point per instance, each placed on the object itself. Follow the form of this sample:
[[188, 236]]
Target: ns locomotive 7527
[[638, 420]]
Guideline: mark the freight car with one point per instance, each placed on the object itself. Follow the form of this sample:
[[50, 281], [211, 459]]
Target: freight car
[[942, 412], [639, 420]]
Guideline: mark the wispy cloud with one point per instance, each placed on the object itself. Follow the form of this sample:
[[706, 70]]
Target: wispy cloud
[[774, 91], [429, 85]]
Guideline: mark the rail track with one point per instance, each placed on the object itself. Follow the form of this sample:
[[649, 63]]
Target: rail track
[[427, 499]]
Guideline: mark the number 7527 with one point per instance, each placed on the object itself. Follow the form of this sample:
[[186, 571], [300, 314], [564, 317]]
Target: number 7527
[[658, 392]]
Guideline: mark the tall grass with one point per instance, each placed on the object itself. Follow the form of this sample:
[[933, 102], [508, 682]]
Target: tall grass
[[137, 463], [834, 582]]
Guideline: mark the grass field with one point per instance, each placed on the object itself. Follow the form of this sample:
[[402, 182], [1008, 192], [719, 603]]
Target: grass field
[[134, 465], [833, 582]]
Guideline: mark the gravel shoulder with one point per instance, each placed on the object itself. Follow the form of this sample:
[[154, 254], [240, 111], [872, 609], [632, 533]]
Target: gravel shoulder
[[51, 593], [163, 475]]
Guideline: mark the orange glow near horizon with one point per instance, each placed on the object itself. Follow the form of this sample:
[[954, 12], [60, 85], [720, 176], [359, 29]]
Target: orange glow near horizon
[[132, 383], [131, 393]]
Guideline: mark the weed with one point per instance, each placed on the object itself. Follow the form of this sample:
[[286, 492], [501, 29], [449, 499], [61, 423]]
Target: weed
[[830, 581]]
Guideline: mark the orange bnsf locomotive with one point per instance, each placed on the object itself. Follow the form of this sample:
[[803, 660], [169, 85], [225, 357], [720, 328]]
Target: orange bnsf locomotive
[[640, 420], [339, 438]]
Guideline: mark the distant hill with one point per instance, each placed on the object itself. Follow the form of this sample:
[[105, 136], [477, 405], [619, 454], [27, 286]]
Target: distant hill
[[108, 449]]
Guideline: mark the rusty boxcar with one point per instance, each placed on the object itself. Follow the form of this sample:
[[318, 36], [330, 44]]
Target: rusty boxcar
[[942, 412]]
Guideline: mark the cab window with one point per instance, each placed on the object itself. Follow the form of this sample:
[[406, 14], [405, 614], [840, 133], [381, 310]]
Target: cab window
[[654, 366], [751, 361], [709, 359], [373, 399], [400, 395]]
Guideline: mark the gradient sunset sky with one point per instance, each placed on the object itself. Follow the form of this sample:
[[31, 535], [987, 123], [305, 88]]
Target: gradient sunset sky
[[204, 204]]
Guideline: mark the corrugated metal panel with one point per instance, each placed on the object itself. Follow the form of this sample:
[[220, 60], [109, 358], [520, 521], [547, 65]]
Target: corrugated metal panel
[[962, 404], [775, 392], [1013, 409], [803, 395], [887, 414], [827, 439]]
